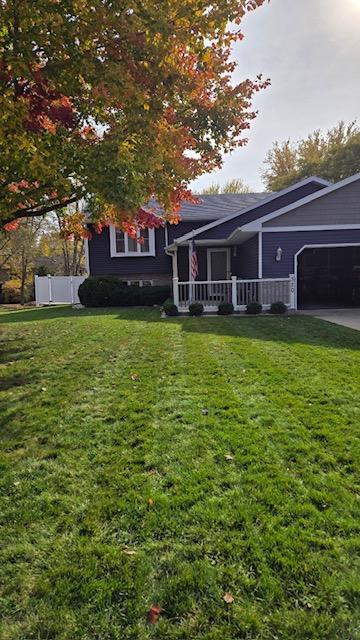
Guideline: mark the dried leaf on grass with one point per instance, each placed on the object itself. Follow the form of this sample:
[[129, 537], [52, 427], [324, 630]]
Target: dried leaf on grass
[[154, 613]]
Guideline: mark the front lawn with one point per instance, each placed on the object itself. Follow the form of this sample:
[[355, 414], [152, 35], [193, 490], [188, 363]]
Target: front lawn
[[171, 462]]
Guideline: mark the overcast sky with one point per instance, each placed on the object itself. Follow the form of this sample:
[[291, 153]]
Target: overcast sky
[[311, 51]]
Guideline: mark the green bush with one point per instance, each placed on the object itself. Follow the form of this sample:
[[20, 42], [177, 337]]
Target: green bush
[[109, 291], [196, 309], [225, 309], [278, 308], [170, 308], [253, 308]]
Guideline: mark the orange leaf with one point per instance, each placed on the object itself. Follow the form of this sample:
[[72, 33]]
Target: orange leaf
[[154, 613], [228, 597], [150, 502]]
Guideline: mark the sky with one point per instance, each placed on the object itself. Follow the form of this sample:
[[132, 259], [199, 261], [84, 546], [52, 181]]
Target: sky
[[310, 49]]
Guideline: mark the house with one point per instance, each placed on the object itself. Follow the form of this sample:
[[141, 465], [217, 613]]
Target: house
[[300, 245]]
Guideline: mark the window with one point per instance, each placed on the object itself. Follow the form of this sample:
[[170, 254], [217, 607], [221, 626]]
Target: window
[[121, 244]]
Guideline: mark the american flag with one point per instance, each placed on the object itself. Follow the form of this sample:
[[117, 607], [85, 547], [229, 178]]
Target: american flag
[[194, 261]]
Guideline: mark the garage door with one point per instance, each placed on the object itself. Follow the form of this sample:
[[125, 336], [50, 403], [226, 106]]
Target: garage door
[[329, 277]]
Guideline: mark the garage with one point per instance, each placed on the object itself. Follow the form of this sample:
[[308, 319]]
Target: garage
[[329, 277]]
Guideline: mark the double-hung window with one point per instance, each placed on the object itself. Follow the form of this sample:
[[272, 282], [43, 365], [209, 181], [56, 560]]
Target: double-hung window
[[121, 244]]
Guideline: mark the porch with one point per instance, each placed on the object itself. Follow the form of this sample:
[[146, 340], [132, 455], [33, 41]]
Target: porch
[[237, 291]]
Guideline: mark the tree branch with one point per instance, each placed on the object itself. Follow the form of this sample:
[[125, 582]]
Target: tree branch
[[34, 212]]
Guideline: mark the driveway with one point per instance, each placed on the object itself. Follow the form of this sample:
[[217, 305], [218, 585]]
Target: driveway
[[346, 317]]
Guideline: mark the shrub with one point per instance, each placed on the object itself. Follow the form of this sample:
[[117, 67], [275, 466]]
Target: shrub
[[109, 291], [170, 308], [253, 308], [278, 308], [225, 308], [196, 309], [11, 291]]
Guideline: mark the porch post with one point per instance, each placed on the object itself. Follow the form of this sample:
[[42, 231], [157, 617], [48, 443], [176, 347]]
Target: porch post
[[234, 291], [292, 285], [191, 282], [176, 291], [175, 277]]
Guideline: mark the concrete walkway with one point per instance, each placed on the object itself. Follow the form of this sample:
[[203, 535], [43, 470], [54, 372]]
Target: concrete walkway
[[345, 317]]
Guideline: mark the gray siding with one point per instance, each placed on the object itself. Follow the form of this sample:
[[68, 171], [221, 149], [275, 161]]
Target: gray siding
[[222, 231], [339, 207], [292, 241]]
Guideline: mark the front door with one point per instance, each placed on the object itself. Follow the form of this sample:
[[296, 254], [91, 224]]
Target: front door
[[218, 264]]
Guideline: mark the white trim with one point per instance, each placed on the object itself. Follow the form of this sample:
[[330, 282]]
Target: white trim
[[260, 255], [315, 227], [273, 196], [87, 258], [208, 261], [131, 254], [254, 226], [316, 246]]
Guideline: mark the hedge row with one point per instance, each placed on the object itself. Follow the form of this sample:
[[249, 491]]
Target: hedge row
[[109, 291]]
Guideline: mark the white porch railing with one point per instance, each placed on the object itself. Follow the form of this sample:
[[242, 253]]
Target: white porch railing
[[239, 292]]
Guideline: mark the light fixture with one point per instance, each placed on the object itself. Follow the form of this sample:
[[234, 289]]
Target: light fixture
[[278, 255]]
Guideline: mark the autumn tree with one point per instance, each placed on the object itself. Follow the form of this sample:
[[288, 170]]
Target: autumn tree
[[18, 252], [333, 155], [116, 102], [232, 186]]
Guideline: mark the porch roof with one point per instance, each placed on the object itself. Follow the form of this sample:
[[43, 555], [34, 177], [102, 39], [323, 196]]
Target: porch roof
[[237, 237]]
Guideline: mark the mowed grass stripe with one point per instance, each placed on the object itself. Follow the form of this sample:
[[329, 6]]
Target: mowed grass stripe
[[275, 524]]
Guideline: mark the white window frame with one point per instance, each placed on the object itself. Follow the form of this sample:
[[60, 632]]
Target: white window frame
[[131, 254]]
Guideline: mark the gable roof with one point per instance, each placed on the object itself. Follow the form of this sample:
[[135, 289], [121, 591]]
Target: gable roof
[[300, 203], [268, 197], [218, 206]]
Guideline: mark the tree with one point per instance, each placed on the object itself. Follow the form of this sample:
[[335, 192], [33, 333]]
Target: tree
[[232, 186], [333, 155], [61, 253], [18, 251], [117, 102]]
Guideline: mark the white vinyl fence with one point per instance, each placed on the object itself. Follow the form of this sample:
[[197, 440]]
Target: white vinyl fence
[[57, 289]]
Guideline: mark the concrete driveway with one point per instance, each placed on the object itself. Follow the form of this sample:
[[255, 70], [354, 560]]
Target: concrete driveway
[[345, 317]]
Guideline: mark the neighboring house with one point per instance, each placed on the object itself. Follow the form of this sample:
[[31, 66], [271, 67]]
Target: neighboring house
[[307, 235]]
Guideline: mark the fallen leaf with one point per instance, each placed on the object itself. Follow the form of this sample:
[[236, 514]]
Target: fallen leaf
[[43, 389], [130, 552], [135, 376], [227, 456], [229, 599], [307, 605], [154, 613], [150, 502]]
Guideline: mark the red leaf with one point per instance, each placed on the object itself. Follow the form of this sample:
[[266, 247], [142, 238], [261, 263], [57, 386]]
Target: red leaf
[[154, 613]]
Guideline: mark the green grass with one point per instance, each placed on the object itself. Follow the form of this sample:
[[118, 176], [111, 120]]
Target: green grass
[[84, 445]]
